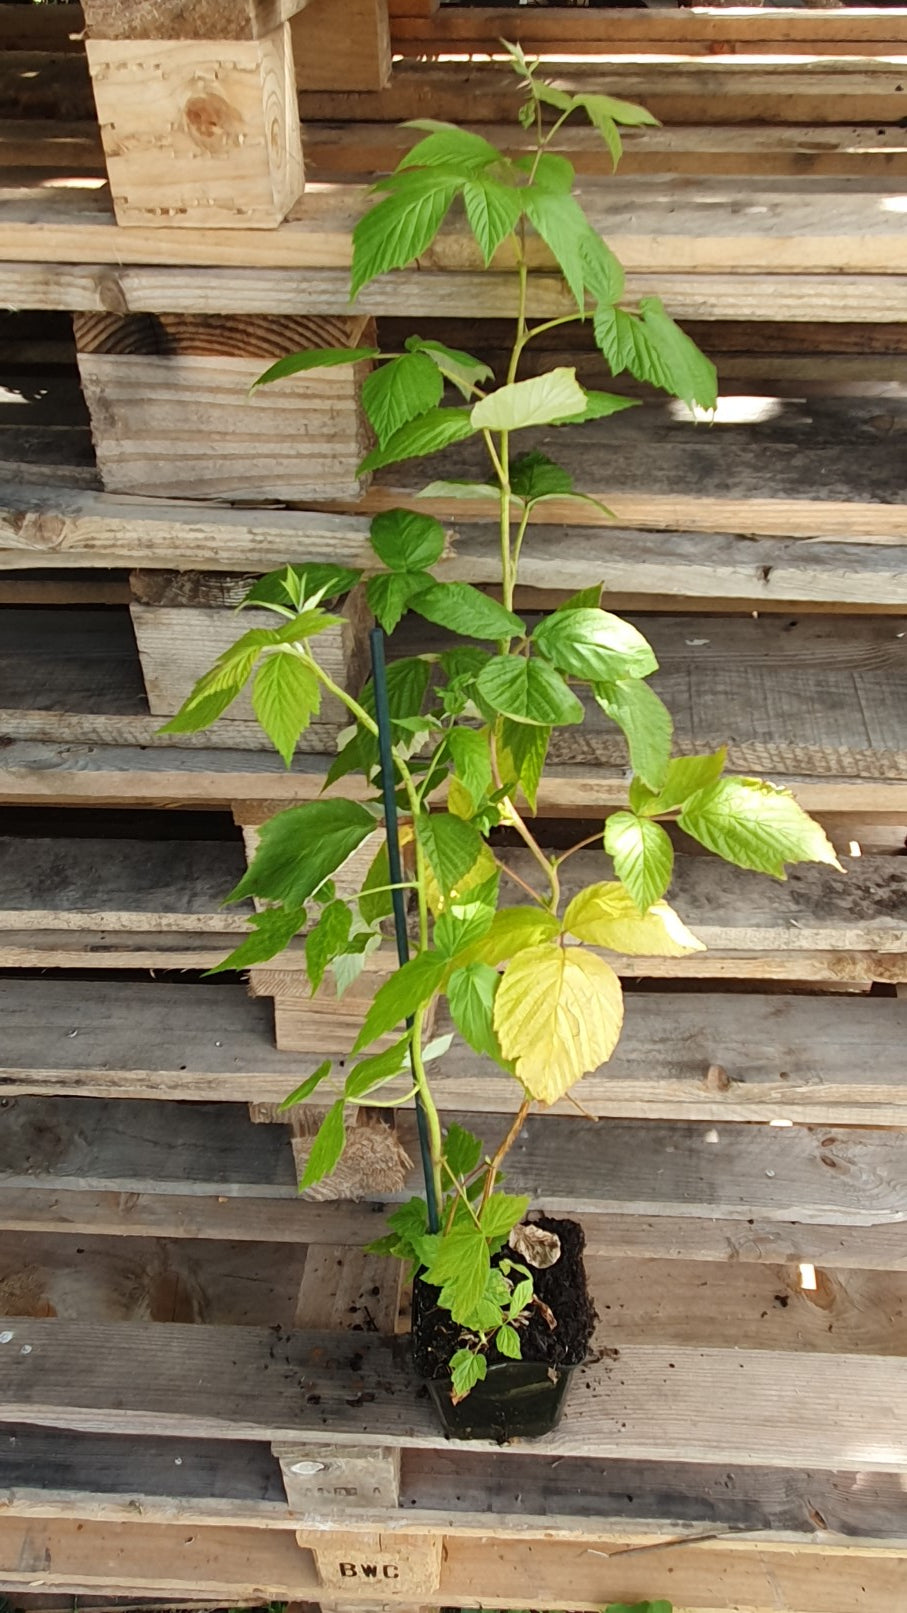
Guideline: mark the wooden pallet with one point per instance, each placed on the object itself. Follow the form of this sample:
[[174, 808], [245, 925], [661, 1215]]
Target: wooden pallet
[[757, 1509]]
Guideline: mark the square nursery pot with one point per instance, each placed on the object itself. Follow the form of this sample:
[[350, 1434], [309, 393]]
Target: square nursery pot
[[516, 1399]]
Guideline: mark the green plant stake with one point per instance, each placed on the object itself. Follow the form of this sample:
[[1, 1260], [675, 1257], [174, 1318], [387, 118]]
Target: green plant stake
[[523, 972], [395, 869]]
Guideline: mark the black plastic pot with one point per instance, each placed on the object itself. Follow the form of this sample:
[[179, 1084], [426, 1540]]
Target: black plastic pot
[[516, 1400]]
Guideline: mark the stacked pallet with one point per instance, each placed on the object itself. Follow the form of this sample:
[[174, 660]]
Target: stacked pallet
[[181, 1414]]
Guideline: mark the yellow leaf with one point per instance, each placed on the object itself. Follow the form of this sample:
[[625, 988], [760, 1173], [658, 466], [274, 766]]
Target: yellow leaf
[[606, 916], [459, 800], [511, 930], [558, 1014]]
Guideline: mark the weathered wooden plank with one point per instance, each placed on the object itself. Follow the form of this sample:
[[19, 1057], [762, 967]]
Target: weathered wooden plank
[[813, 226], [864, 298], [650, 1403], [42, 526], [241, 1565], [104, 1279], [789, 31], [719, 89], [351, 55], [647, 1168], [792, 1058]]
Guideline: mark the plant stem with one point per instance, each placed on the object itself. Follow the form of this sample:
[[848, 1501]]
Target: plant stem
[[590, 840], [494, 1166], [428, 1103], [519, 880]]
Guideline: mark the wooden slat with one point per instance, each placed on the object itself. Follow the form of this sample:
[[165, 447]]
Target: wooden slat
[[851, 32], [651, 1403], [239, 1565], [822, 1178], [44, 526], [718, 89], [789, 226], [861, 298], [791, 1058]]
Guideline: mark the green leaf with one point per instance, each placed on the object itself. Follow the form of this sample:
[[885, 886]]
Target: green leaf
[[462, 1151], [522, 749], [646, 723], [638, 1607], [685, 775], [529, 691], [319, 358], [599, 405], [452, 846], [393, 233], [405, 540], [432, 431], [502, 1213], [407, 681], [308, 1086], [470, 992], [540, 401], [471, 755], [326, 1148], [755, 825], [216, 690], [300, 848], [447, 145], [625, 112], [400, 391], [466, 610], [583, 599], [594, 645], [563, 226], [375, 900], [492, 210], [507, 1340], [466, 920], [512, 930], [464, 490], [653, 348], [521, 1296], [413, 985], [286, 695], [327, 939], [273, 930], [459, 1267], [373, 1072], [461, 369], [466, 1370], [642, 854], [293, 586], [534, 476], [390, 594]]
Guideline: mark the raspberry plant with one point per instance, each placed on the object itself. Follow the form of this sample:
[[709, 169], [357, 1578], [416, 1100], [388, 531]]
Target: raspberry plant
[[524, 974]]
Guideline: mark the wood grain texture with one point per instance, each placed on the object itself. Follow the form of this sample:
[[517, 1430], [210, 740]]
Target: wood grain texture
[[45, 527], [850, 32], [787, 1057], [349, 51], [690, 226], [714, 1404], [650, 1169], [199, 131], [79, 283], [186, 19], [174, 391]]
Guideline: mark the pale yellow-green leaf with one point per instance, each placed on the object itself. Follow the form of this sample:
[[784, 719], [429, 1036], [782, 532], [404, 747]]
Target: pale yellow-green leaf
[[558, 1014], [605, 915], [512, 930]]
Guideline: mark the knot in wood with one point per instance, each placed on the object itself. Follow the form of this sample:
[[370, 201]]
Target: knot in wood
[[212, 122]]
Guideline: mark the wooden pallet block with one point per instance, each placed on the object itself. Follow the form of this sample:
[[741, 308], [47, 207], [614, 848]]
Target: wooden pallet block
[[199, 131], [180, 633], [186, 19], [342, 45], [171, 410]]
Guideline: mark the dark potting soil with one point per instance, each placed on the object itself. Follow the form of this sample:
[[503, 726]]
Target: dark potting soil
[[562, 1287]]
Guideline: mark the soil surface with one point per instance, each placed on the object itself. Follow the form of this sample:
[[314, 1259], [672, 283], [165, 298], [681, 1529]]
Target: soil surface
[[562, 1288]]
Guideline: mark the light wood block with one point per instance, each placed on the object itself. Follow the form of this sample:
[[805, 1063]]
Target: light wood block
[[187, 19], [176, 647], [199, 132], [342, 45], [172, 413]]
